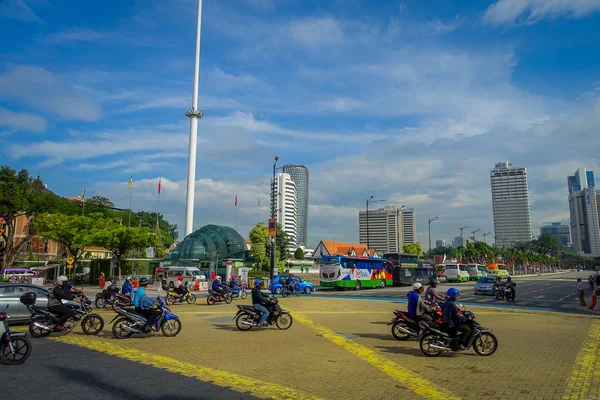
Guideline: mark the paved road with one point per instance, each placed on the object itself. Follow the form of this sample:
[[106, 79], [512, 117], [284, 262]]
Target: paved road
[[553, 291]]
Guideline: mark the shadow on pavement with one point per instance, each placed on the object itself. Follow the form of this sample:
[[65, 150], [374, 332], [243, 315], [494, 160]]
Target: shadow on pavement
[[402, 350], [231, 328], [379, 336], [379, 323]]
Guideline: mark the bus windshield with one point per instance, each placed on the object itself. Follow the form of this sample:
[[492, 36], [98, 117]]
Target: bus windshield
[[463, 268], [451, 266], [330, 260]]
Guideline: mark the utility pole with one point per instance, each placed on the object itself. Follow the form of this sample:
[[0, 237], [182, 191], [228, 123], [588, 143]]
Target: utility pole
[[274, 216], [430, 221], [398, 241], [462, 242]]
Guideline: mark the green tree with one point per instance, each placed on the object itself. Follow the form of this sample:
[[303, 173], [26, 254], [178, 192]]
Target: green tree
[[547, 244], [259, 240], [21, 194], [121, 240], [414, 248], [284, 241], [99, 204], [299, 254]]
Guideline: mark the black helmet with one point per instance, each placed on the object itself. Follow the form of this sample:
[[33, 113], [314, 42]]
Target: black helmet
[[509, 279], [433, 281], [143, 281]]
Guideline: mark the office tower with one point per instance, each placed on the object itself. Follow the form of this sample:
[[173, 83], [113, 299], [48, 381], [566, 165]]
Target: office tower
[[389, 228], [456, 242], [441, 243], [584, 207], [562, 233], [510, 202], [299, 174], [286, 205]]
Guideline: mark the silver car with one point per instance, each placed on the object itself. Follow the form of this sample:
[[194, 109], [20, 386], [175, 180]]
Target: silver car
[[10, 294], [485, 285]]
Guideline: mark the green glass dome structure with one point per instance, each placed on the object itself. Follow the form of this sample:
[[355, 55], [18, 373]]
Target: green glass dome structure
[[210, 242]]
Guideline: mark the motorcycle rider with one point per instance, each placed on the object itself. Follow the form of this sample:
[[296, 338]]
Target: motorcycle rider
[[233, 283], [511, 285], [290, 283], [452, 322], [127, 288], [417, 309], [144, 304], [496, 286], [260, 303], [69, 288], [217, 287], [55, 305], [178, 286], [431, 295]]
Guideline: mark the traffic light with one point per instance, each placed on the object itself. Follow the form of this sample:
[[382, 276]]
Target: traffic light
[[268, 251], [246, 255]]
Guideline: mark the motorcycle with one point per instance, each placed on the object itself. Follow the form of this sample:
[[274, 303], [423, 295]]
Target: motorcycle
[[43, 322], [499, 291], [173, 297], [111, 297], [434, 342], [247, 317], [239, 291], [509, 293], [287, 291], [214, 297], [127, 322], [15, 348], [405, 327]]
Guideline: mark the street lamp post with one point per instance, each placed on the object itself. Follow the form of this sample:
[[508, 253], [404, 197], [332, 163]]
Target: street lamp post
[[430, 221], [462, 242], [369, 201], [273, 216], [486, 235], [398, 242]]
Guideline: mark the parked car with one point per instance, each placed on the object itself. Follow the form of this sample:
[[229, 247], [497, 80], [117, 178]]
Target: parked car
[[10, 294], [304, 286], [485, 285]]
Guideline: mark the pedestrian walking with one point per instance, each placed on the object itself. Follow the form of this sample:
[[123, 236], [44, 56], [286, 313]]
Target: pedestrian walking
[[591, 282], [580, 291]]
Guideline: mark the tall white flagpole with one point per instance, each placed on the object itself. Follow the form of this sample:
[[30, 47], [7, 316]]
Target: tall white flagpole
[[194, 114]]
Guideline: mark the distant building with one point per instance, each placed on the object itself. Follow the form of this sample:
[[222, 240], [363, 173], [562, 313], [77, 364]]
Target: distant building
[[584, 207], [286, 206], [441, 243], [331, 248], [37, 246], [562, 233], [510, 203], [389, 228], [299, 174], [456, 242]]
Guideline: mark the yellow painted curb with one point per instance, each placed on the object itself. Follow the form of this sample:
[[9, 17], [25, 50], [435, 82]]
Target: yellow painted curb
[[225, 379], [586, 368]]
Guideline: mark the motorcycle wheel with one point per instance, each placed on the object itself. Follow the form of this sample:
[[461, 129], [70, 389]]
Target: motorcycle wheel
[[170, 300], [284, 321], [171, 327], [92, 324], [398, 334], [22, 348], [119, 331], [34, 331], [228, 298], [191, 299], [485, 344], [211, 300], [425, 344], [240, 325], [243, 295], [285, 292], [100, 302]]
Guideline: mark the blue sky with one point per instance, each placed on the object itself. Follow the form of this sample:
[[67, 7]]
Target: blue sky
[[409, 101]]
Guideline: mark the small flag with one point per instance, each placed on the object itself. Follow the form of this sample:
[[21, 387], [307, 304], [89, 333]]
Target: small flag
[[159, 185], [235, 203], [130, 182], [83, 194]]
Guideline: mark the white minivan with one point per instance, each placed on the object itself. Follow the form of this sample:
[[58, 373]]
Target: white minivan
[[457, 273], [189, 273]]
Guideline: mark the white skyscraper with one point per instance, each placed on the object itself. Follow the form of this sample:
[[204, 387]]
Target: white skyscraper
[[389, 228], [286, 205], [510, 202], [584, 206]]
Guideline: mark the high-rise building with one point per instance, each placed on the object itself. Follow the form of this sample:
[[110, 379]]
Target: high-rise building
[[389, 228], [562, 233], [457, 242], [584, 207], [299, 174], [441, 243], [510, 203], [286, 205]]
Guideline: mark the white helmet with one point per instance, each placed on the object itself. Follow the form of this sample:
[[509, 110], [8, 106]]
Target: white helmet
[[128, 278], [416, 286], [61, 280]]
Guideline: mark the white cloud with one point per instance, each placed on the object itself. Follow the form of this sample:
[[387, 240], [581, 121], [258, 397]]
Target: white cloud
[[340, 104], [46, 92], [508, 12], [19, 10], [316, 31], [22, 121]]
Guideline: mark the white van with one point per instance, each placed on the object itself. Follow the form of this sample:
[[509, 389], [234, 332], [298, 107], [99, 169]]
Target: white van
[[189, 273], [457, 273]]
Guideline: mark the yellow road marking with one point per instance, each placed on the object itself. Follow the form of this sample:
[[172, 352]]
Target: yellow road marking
[[522, 303], [586, 368], [414, 381], [225, 379], [567, 306]]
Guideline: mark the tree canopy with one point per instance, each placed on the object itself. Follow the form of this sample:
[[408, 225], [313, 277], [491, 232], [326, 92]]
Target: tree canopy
[[414, 248]]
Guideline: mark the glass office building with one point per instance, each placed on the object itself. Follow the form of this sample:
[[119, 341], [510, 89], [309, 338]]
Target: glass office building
[[299, 174]]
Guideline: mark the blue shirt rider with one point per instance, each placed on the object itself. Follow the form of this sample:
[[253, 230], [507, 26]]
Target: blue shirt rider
[[126, 289], [143, 304], [217, 287]]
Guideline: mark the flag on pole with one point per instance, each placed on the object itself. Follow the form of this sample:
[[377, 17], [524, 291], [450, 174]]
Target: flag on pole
[[83, 194], [235, 203], [159, 185], [130, 182]]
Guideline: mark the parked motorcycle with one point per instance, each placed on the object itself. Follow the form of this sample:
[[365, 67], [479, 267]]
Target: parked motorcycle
[[127, 322], [247, 317], [214, 297], [15, 348], [43, 322], [434, 342], [173, 297]]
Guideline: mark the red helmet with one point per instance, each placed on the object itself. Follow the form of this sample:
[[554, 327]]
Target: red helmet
[[180, 277], [233, 277]]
